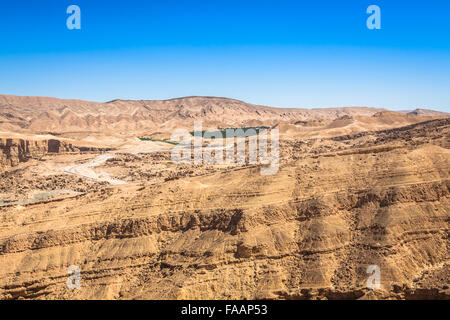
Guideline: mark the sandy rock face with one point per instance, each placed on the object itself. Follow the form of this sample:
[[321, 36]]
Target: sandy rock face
[[359, 192], [14, 151], [337, 206]]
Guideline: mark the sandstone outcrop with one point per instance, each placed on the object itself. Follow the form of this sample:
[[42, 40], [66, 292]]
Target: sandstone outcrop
[[14, 151]]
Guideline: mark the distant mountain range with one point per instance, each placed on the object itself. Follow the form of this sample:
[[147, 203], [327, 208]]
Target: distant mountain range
[[42, 114]]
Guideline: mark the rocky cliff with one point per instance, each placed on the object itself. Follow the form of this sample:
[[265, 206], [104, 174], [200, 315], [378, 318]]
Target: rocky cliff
[[337, 206], [14, 151]]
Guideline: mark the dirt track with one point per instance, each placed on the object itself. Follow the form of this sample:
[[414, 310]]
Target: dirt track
[[85, 170]]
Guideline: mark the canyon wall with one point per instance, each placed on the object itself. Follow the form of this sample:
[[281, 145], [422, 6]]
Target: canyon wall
[[336, 207], [14, 151]]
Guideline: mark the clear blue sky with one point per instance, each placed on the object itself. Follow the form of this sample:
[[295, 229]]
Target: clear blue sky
[[311, 53]]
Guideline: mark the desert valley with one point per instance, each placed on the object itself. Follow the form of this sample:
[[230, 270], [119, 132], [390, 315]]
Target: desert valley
[[93, 185]]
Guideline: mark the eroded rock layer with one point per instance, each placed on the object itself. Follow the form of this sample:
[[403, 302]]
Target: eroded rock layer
[[15, 151], [336, 206]]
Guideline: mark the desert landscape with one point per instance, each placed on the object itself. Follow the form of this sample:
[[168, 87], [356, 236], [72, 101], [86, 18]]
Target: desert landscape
[[93, 185]]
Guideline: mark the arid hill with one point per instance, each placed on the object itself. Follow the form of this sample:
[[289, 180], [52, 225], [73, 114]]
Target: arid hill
[[40, 114], [424, 112], [359, 188]]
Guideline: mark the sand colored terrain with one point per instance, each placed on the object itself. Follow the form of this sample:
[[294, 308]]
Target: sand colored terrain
[[356, 187], [73, 118]]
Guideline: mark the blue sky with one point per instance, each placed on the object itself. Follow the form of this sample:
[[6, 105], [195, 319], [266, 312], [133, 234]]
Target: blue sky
[[313, 53]]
